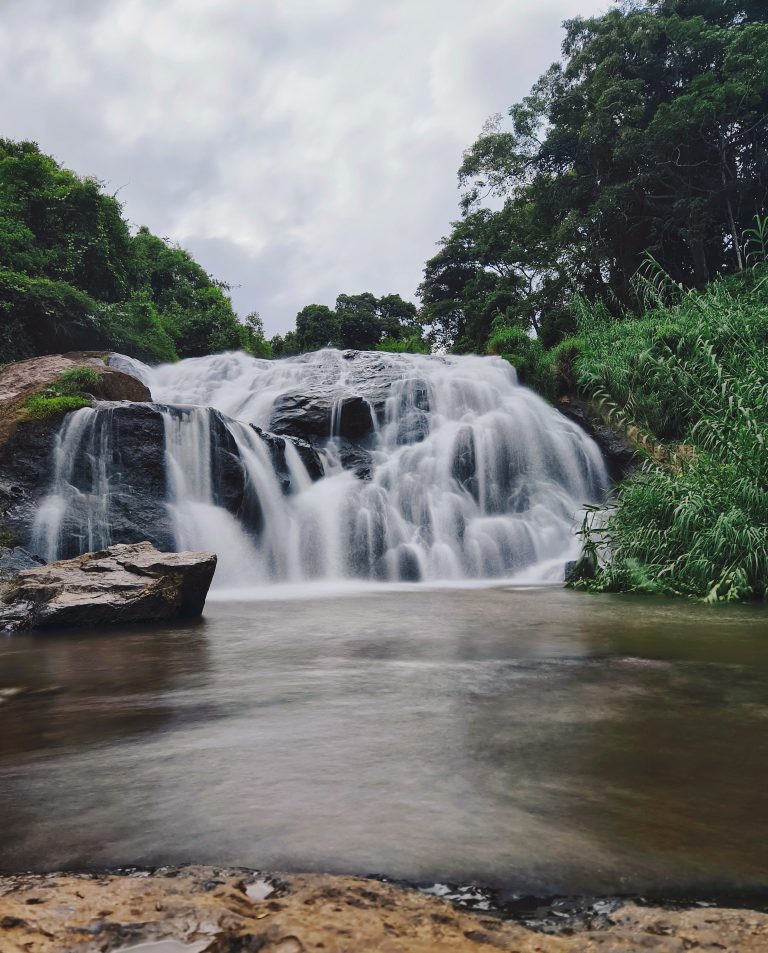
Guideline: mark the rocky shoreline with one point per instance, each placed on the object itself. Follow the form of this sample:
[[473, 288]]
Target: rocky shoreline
[[218, 910]]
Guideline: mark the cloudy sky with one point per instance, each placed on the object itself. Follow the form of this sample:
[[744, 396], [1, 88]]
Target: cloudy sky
[[298, 148]]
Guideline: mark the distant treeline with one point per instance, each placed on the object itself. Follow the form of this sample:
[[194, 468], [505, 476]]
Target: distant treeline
[[73, 276], [647, 142]]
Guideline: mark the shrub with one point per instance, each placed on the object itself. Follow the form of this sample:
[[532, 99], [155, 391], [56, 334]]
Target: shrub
[[68, 392], [532, 363], [694, 374], [40, 406], [414, 344], [79, 380]]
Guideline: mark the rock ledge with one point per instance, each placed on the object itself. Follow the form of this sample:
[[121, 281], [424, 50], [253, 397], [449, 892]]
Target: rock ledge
[[215, 910]]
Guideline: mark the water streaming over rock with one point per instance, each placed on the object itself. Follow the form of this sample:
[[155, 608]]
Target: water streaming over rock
[[429, 468]]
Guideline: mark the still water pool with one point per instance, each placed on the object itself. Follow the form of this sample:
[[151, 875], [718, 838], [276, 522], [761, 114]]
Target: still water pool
[[534, 738]]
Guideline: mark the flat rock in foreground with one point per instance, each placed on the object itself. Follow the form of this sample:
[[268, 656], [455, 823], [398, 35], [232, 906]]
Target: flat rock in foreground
[[118, 585], [210, 910]]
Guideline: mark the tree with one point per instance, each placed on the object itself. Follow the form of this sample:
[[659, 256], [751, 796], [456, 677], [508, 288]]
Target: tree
[[254, 341], [358, 322], [650, 136], [316, 327], [73, 276]]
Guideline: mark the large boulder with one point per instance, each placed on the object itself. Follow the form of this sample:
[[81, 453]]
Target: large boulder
[[119, 585]]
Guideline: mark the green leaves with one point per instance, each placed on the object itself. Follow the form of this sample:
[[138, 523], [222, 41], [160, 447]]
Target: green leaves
[[694, 521], [756, 241], [361, 322], [72, 275], [650, 137]]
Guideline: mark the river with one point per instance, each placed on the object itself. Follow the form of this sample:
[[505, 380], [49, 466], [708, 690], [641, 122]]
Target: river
[[535, 739]]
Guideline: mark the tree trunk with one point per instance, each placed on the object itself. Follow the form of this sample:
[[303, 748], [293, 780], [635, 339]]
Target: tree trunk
[[729, 206]]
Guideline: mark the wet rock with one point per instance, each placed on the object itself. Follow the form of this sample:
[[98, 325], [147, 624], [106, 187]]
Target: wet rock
[[26, 467], [620, 453], [26, 445], [313, 416], [357, 459], [301, 415], [134, 437], [16, 559], [307, 454], [122, 584], [464, 462]]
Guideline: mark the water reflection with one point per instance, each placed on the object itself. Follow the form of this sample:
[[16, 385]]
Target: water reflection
[[75, 689], [538, 739]]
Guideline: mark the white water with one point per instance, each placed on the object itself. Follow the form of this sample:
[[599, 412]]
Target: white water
[[473, 476]]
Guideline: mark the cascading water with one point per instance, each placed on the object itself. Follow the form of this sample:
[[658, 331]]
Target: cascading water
[[433, 468]]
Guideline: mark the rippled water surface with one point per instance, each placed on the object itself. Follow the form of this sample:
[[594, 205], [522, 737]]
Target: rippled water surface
[[535, 738]]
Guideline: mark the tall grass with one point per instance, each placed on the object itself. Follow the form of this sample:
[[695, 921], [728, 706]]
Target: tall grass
[[693, 374]]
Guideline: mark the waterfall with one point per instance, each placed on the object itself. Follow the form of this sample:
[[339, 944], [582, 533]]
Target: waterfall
[[430, 468]]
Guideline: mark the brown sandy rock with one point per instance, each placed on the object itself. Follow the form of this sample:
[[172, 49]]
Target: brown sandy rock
[[211, 910]]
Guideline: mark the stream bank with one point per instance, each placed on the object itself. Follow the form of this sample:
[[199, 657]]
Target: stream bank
[[215, 910]]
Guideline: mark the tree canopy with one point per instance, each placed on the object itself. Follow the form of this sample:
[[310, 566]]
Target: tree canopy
[[648, 138], [360, 322], [72, 275]]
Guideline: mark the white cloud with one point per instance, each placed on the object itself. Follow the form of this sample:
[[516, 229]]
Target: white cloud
[[299, 148]]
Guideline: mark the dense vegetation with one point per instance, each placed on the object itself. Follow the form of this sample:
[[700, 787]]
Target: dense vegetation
[[692, 376], [72, 276], [649, 137]]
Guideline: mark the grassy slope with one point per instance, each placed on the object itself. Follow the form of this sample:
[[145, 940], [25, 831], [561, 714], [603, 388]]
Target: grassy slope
[[691, 374]]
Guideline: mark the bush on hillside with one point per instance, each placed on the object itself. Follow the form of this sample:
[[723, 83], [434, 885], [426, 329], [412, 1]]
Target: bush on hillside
[[693, 374]]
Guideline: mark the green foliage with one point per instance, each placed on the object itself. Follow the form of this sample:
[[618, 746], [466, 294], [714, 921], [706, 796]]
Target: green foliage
[[40, 407], [253, 340], [79, 380], [40, 316], [73, 277], [361, 322], [526, 354], [756, 241], [414, 344], [70, 391], [650, 136], [694, 374], [134, 327]]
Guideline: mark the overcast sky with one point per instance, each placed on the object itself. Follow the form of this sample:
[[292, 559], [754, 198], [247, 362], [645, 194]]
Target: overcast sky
[[298, 148]]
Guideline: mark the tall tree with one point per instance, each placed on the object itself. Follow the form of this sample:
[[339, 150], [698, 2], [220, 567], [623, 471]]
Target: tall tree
[[650, 136]]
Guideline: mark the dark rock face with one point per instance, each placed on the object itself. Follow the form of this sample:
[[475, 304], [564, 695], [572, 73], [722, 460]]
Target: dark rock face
[[300, 415], [357, 459], [276, 446], [129, 439], [620, 455], [119, 585], [134, 438], [315, 416], [15, 560], [25, 474]]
